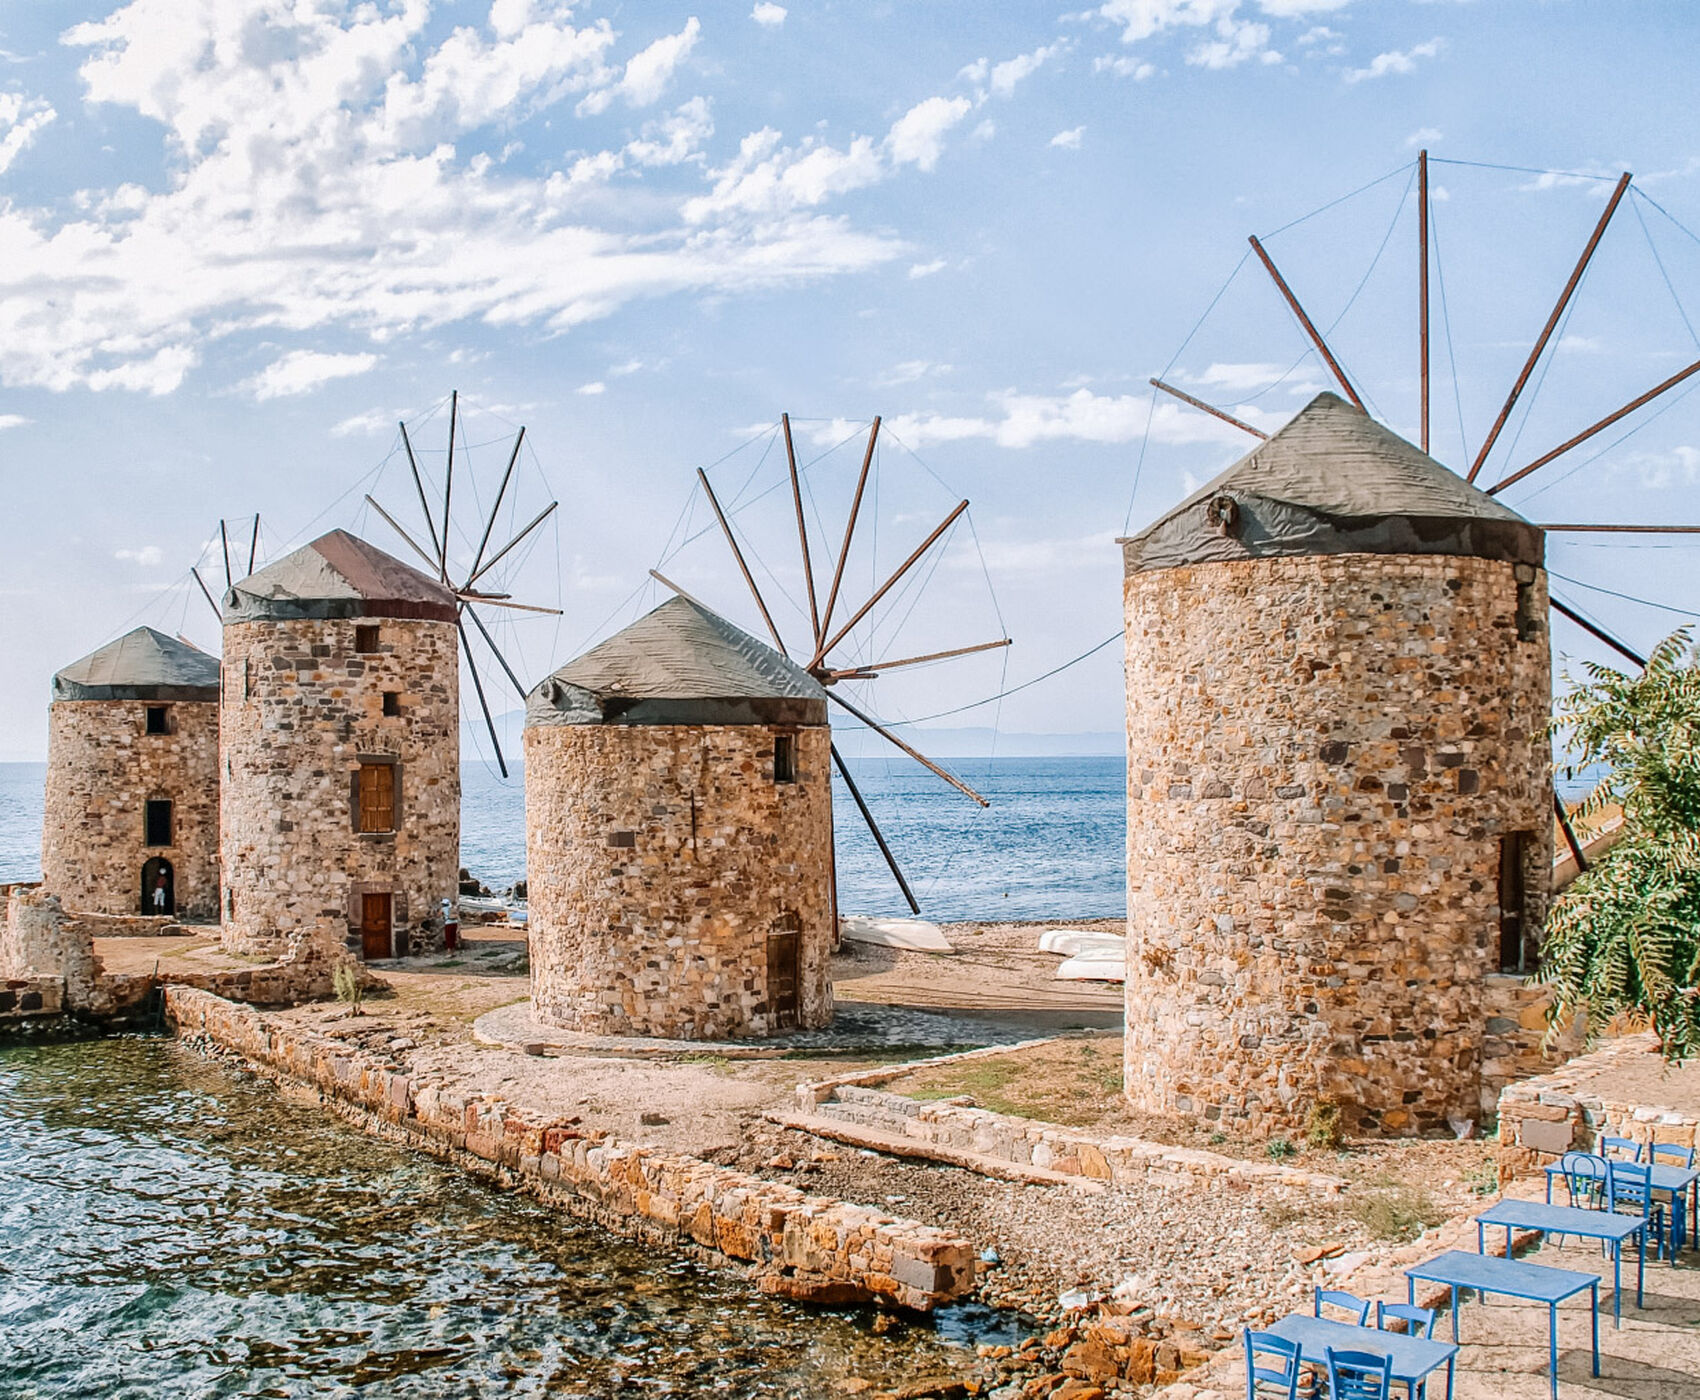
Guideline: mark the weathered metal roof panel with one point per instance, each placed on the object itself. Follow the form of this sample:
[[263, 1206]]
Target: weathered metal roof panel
[[141, 665], [339, 576]]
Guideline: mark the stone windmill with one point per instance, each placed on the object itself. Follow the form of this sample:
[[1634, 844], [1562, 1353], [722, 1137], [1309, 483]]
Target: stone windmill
[[1340, 803], [833, 619]]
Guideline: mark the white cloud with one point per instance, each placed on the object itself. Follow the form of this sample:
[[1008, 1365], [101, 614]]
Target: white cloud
[[1581, 344], [648, 72], [917, 137], [147, 556], [368, 424], [21, 118], [301, 371], [908, 371], [596, 386], [984, 130], [312, 184], [1395, 61], [1236, 42], [1423, 136], [768, 14], [1140, 19], [1004, 76], [1022, 420], [926, 269], [625, 368], [13, 420], [1069, 140], [1246, 378], [1297, 9], [1123, 66]]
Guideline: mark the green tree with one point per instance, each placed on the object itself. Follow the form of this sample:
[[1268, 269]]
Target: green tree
[[1624, 938]]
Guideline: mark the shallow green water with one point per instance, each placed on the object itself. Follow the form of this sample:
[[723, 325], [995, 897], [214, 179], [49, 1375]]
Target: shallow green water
[[170, 1227]]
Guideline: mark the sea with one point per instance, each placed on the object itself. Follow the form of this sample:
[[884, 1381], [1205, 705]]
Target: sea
[[1052, 844]]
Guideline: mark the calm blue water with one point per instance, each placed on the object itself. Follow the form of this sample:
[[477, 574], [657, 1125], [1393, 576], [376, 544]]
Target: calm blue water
[[170, 1227], [1051, 845]]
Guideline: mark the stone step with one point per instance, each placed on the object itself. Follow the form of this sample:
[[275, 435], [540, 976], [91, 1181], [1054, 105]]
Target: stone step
[[896, 1145]]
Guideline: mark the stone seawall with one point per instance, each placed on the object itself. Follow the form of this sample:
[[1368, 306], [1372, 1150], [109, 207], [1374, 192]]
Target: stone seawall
[[806, 1247], [30, 999]]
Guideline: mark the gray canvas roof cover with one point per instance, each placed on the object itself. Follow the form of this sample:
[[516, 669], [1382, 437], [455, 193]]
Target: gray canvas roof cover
[[140, 665], [1334, 481], [680, 664], [338, 575]]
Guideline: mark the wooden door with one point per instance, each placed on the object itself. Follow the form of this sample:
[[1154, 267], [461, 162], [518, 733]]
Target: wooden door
[[782, 977], [375, 926]]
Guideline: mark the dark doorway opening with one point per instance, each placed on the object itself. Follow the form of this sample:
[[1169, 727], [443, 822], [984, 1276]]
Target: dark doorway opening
[[1516, 953], [375, 936], [782, 974], [159, 887]]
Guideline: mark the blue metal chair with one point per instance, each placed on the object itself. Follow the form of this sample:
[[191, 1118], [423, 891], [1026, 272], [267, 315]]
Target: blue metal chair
[[1419, 1322], [1284, 1375], [1621, 1144], [1358, 1307], [1683, 1157], [1359, 1375], [1631, 1184], [1585, 1179]]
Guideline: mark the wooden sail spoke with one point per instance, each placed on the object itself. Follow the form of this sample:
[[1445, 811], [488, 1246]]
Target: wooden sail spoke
[[913, 753], [1211, 409], [501, 600], [483, 704], [802, 529], [1305, 321], [1597, 632], [502, 553], [419, 485], [207, 594], [1422, 287], [662, 579], [849, 529], [868, 672], [1551, 325], [884, 588], [1598, 427], [501, 491], [224, 539], [874, 830], [449, 478], [1627, 529], [254, 543], [495, 650], [738, 554], [412, 543]]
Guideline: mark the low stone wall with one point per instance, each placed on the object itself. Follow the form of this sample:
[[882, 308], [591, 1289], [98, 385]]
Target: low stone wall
[[1050, 1146], [31, 999], [1563, 1111], [806, 1247], [1516, 1025], [140, 926]]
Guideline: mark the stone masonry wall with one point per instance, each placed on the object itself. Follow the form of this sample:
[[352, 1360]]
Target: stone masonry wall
[[1514, 1047], [1613, 1091], [102, 769], [39, 939], [660, 859], [807, 1247], [302, 708], [1323, 754]]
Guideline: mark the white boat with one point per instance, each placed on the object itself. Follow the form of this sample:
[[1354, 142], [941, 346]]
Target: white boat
[[1070, 942], [913, 935], [1094, 967]]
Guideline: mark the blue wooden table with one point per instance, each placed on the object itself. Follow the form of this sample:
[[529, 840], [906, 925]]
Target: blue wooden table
[[1414, 1358], [1488, 1273], [1572, 1220], [1683, 1183]]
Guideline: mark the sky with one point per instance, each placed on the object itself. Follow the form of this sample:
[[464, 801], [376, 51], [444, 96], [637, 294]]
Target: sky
[[241, 240]]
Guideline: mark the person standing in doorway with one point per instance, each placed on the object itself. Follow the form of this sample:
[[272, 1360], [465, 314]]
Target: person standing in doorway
[[159, 893]]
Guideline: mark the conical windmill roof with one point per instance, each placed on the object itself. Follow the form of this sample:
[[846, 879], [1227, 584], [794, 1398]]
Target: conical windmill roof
[[680, 664], [336, 576], [140, 665], [1334, 481]]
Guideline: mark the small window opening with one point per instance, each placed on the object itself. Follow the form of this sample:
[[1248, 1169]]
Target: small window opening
[[1516, 951], [158, 721], [392, 703], [785, 758], [374, 805], [156, 820], [366, 636]]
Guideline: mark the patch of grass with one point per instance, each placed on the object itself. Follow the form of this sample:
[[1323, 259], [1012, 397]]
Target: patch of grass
[[715, 1064], [1279, 1214], [1323, 1127], [1279, 1149], [1218, 1138], [1396, 1212], [1483, 1178], [449, 962], [1075, 1083]]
